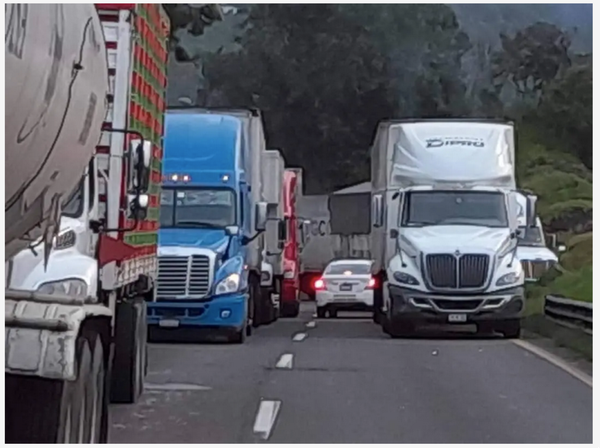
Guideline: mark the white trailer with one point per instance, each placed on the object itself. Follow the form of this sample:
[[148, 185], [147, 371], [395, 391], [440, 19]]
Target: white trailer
[[275, 234], [444, 225]]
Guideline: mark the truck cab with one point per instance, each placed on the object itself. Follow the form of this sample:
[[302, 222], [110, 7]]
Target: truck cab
[[207, 220], [444, 225]]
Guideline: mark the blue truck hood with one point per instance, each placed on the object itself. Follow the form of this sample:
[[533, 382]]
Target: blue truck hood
[[212, 239]]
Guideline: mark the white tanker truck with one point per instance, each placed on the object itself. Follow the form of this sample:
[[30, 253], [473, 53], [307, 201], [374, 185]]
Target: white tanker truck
[[79, 193]]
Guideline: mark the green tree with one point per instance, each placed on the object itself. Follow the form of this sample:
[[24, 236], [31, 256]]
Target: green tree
[[532, 58], [320, 82]]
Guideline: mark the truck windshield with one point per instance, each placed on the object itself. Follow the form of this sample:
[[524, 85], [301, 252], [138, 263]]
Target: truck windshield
[[73, 207], [470, 208], [197, 207], [531, 237]]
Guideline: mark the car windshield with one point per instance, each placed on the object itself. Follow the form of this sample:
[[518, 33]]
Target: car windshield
[[73, 207], [344, 268], [471, 208], [531, 237], [197, 207]]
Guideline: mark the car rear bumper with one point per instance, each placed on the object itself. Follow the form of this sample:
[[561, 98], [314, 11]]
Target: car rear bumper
[[416, 306], [224, 312], [345, 300]]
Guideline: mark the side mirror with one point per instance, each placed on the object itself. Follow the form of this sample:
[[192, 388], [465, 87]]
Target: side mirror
[[394, 233], [260, 217], [232, 230], [561, 248], [138, 206], [282, 231], [552, 240], [531, 210], [519, 233], [377, 210], [304, 231], [140, 155]]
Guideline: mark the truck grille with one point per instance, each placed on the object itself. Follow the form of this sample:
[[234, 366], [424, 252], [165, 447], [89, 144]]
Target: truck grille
[[447, 271], [183, 277]]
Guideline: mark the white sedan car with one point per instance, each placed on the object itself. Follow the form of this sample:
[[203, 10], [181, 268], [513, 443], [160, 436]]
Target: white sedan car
[[346, 285]]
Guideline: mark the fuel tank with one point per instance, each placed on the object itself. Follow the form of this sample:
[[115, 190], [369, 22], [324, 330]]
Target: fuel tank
[[56, 100]]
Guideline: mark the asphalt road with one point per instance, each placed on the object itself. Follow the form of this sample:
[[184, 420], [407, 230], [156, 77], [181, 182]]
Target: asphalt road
[[344, 381]]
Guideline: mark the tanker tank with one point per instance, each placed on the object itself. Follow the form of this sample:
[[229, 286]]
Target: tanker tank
[[56, 95]]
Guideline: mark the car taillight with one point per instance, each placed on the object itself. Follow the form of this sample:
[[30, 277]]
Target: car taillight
[[372, 283], [319, 284]]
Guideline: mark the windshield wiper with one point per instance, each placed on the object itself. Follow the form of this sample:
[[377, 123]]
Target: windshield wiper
[[198, 224]]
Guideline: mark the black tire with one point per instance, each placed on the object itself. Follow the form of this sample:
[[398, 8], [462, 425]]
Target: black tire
[[290, 310], [258, 316], [270, 312], [333, 313], [97, 397], [131, 334], [510, 329], [321, 312], [239, 337], [396, 329], [378, 316], [39, 410]]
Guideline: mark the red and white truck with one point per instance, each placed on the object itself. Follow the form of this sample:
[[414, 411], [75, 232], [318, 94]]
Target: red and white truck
[[290, 285], [86, 87]]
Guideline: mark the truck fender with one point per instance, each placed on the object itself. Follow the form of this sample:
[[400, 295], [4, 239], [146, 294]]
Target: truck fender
[[78, 267], [41, 334], [232, 265]]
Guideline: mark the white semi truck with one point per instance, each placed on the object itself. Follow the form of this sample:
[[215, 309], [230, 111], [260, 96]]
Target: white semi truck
[[78, 192], [444, 225], [273, 168]]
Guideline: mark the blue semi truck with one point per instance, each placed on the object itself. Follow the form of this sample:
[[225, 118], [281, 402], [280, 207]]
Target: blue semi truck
[[211, 224]]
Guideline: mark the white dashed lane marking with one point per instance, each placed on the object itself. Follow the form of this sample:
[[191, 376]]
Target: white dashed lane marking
[[299, 337], [285, 362], [265, 418]]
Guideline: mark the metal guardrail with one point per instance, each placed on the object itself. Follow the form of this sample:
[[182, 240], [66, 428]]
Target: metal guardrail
[[569, 313]]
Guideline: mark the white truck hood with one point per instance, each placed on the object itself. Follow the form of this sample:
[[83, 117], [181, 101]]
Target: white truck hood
[[449, 239]]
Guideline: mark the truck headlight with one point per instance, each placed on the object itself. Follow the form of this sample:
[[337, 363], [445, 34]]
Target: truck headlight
[[70, 287], [231, 283], [407, 279], [508, 279]]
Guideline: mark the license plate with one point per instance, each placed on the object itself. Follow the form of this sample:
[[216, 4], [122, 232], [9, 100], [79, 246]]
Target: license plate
[[457, 317], [345, 287], [168, 323], [345, 298]]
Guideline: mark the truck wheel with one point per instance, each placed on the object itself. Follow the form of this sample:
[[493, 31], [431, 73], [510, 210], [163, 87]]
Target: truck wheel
[[290, 309], [239, 337], [40, 410], [511, 328], [396, 329], [378, 316], [258, 316], [321, 312], [97, 396], [269, 307], [333, 313], [130, 351]]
